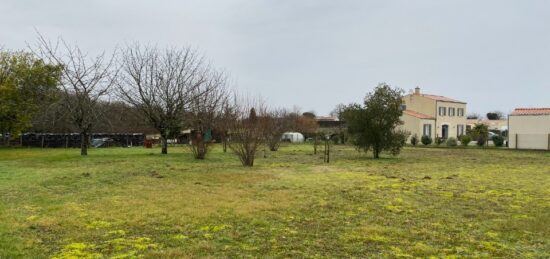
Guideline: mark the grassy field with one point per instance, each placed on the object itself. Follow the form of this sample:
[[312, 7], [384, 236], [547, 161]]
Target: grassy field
[[134, 202]]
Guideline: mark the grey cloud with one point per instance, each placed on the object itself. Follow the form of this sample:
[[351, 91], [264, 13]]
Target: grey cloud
[[315, 54]]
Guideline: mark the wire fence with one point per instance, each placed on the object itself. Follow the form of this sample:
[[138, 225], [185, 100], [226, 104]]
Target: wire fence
[[72, 140]]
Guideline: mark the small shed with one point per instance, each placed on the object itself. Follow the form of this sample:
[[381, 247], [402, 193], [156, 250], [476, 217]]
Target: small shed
[[529, 128]]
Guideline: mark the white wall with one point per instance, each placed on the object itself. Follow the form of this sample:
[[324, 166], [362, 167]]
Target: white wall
[[531, 131]]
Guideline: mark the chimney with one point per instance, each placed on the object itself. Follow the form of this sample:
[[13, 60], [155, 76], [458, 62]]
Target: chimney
[[417, 90]]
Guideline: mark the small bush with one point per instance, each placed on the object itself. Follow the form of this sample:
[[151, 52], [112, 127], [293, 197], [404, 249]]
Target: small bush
[[426, 140], [498, 141], [335, 139], [439, 140], [481, 140], [465, 140], [451, 142], [414, 140]]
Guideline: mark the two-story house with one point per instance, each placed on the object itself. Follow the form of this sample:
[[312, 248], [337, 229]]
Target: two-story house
[[433, 115]]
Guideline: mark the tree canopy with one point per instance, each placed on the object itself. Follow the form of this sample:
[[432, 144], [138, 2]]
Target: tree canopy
[[495, 115], [374, 125], [26, 84]]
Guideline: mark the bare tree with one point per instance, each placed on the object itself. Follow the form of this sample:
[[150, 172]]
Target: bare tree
[[473, 116], [277, 123], [247, 131], [206, 111], [338, 112], [226, 122], [304, 123], [162, 83], [84, 80]]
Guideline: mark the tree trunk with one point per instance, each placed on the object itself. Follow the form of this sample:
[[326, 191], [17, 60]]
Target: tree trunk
[[273, 145], [164, 145], [249, 159], [200, 152], [315, 146], [84, 144], [198, 145], [249, 162], [376, 153], [328, 151]]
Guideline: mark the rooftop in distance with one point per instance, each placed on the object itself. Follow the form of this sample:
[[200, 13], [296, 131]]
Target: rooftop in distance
[[531, 111]]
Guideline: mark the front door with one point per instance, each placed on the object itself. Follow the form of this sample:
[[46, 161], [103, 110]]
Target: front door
[[445, 131]]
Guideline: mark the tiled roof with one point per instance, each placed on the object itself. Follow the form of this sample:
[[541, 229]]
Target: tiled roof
[[418, 115], [441, 98], [531, 111]]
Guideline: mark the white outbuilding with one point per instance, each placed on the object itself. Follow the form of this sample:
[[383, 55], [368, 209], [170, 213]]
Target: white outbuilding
[[529, 128], [293, 137]]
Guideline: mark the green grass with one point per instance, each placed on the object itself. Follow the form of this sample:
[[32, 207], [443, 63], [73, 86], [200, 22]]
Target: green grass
[[134, 202]]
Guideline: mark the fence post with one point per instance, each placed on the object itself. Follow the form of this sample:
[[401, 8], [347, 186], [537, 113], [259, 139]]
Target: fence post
[[42, 142], [549, 141], [325, 153], [328, 151], [516, 141]]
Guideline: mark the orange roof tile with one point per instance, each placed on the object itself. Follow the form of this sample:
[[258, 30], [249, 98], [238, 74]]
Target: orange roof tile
[[531, 111], [418, 115], [441, 98]]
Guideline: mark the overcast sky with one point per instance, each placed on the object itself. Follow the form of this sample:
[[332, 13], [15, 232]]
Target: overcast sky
[[314, 54]]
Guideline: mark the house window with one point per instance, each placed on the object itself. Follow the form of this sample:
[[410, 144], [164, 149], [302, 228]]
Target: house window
[[459, 130], [427, 130], [460, 112], [451, 111], [403, 107], [442, 111]]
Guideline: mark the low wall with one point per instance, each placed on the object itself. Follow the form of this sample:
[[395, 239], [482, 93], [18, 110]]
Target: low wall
[[529, 141]]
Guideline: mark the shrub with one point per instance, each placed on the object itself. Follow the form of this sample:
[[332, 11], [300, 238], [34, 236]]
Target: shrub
[[426, 140], [498, 140], [451, 142], [481, 140], [439, 140], [465, 140], [414, 140], [479, 130], [335, 139]]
